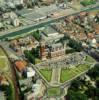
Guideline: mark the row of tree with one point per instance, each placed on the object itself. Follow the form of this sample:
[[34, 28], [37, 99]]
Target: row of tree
[[7, 89], [75, 45]]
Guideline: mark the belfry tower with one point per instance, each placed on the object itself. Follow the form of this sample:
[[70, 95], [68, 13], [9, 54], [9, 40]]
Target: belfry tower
[[42, 50]]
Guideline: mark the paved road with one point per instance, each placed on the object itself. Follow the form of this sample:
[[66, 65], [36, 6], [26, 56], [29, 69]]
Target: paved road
[[25, 29], [9, 51], [55, 76]]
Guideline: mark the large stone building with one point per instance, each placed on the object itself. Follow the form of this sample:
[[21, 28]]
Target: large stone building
[[49, 45], [57, 50], [51, 51]]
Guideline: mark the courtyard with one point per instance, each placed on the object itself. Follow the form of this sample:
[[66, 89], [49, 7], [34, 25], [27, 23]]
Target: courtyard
[[47, 73], [65, 69], [69, 74], [53, 91]]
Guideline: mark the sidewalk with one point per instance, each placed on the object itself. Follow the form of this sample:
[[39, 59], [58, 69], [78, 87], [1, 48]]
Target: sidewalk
[[56, 76]]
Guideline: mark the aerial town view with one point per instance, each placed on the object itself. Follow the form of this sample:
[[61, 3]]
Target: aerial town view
[[49, 49]]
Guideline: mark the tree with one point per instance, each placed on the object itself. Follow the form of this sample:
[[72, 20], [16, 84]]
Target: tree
[[75, 85], [35, 52], [90, 92], [94, 72], [72, 95], [7, 90], [37, 35], [97, 83], [96, 18], [96, 98], [19, 7], [97, 92], [75, 45], [29, 56]]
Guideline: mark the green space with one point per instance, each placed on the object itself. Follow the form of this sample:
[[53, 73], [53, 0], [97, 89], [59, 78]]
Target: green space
[[12, 94], [68, 51], [47, 73], [89, 59], [2, 63], [1, 52], [36, 34], [53, 91], [88, 2], [82, 89], [10, 89], [67, 74], [2, 59], [37, 61], [33, 55]]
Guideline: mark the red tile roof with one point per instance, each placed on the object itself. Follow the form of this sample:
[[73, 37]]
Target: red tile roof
[[20, 65]]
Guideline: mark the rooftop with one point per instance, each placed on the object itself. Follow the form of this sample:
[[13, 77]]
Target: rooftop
[[57, 45], [20, 65], [49, 31]]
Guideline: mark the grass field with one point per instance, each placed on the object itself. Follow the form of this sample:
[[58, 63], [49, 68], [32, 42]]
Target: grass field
[[3, 63], [47, 73], [3, 58], [67, 74], [53, 91], [1, 52], [89, 59], [88, 2]]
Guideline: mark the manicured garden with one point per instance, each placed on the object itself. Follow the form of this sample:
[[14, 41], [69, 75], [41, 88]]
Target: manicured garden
[[67, 74], [83, 89], [53, 91], [47, 74], [89, 59]]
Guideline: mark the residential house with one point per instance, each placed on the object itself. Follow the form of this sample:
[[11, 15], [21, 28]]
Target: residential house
[[20, 65]]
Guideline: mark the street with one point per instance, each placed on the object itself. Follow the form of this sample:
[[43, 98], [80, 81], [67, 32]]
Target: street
[[24, 29]]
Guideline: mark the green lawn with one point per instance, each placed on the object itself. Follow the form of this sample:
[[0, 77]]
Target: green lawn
[[89, 59], [2, 59], [37, 61], [88, 2], [47, 73], [53, 91], [67, 74], [2, 52], [2, 63]]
